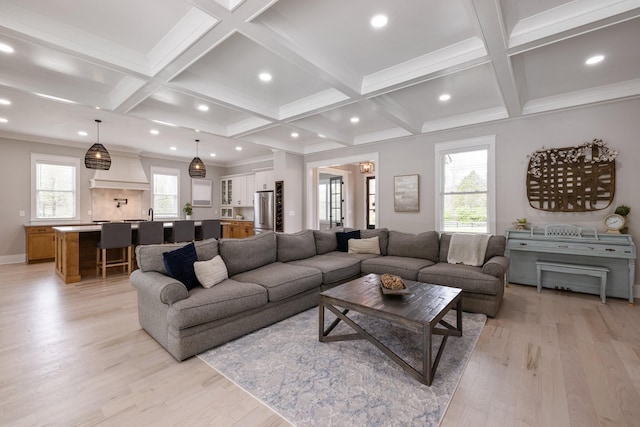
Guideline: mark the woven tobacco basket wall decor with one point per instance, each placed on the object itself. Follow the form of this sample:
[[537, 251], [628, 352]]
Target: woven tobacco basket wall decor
[[572, 179]]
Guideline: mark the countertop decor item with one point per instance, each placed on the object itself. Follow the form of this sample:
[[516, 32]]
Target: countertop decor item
[[97, 157], [572, 179], [196, 167], [188, 210]]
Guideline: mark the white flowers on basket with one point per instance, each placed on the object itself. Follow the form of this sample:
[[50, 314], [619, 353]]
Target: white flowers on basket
[[575, 154]]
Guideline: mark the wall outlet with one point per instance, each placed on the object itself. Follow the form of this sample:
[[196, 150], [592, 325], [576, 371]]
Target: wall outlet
[[22, 213], [292, 213], [89, 212]]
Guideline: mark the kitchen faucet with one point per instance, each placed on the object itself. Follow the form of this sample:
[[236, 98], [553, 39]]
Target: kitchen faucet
[[151, 213]]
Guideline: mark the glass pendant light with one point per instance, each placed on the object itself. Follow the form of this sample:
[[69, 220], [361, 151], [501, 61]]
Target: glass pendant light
[[97, 156], [196, 167]]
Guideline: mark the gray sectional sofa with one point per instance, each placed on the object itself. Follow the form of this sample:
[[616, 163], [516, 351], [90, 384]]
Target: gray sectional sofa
[[273, 276]]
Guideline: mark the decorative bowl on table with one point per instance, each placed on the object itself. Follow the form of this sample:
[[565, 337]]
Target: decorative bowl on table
[[393, 285]]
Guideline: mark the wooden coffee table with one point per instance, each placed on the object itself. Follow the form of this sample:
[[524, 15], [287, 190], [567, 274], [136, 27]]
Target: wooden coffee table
[[420, 312]]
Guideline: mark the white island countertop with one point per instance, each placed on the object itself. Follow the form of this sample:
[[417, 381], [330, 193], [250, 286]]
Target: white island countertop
[[98, 227]]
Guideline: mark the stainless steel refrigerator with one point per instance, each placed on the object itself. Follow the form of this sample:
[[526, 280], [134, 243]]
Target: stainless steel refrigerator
[[263, 214]]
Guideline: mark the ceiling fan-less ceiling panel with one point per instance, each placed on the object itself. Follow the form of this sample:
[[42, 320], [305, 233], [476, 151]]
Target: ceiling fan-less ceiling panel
[[237, 63], [117, 21], [559, 68], [35, 68], [466, 92], [188, 111], [341, 29]]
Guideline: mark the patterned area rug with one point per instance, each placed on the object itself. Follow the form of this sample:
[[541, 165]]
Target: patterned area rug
[[344, 383]]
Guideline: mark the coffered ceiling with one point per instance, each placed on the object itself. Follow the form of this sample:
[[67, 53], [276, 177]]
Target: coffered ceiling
[[189, 69]]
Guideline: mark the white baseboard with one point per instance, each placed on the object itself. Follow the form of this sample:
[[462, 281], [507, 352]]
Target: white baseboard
[[13, 259]]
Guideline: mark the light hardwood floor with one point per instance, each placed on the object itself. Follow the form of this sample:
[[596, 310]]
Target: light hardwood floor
[[75, 355]]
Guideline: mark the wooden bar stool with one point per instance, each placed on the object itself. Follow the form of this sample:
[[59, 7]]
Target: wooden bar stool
[[114, 235], [183, 231], [210, 229], [150, 233]]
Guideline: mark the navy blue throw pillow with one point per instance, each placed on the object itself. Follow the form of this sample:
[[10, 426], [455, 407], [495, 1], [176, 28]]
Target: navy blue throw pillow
[[179, 265], [343, 239]]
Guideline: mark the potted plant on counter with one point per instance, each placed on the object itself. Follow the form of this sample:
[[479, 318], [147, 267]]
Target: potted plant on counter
[[188, 210]]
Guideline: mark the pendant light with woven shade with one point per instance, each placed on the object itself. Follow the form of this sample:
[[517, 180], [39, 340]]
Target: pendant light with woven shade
[[97, 156], [196, 167]]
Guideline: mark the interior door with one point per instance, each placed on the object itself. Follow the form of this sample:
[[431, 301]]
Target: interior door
[[335, 202]]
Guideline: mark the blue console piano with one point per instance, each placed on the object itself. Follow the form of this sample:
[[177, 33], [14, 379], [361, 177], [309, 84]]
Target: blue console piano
[[572, 245]]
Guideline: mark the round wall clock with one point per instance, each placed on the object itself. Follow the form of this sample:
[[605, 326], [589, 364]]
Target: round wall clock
[[614, 223]]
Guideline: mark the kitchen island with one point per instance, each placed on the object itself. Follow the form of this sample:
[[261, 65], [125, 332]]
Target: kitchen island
[[75, 249]]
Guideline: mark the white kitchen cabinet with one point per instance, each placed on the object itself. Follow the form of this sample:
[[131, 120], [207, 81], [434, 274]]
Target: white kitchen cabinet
[[237, 191], [265, 181]]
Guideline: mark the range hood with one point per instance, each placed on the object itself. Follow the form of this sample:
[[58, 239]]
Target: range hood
[[126, 173]]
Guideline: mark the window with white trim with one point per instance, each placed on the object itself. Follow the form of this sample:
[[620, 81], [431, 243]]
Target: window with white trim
[[465, 175], [165, 192], [55, 187]]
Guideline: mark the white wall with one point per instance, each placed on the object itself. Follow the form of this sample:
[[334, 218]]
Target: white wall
[[617, 123]]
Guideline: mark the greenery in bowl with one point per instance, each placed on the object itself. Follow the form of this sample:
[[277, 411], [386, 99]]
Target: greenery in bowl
[[623, 210], [188, 209]]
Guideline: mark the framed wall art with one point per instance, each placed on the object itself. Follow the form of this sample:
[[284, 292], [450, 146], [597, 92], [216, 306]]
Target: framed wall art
[[406, 194]]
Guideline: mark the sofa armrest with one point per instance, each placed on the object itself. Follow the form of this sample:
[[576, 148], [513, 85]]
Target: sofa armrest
[[497, 266], [154, 285]]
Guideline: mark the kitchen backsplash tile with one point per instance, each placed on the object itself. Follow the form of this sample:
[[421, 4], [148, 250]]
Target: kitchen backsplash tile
[[104, 205]]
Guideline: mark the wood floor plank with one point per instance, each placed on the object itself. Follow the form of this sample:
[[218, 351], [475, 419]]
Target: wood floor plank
[[75, 355]]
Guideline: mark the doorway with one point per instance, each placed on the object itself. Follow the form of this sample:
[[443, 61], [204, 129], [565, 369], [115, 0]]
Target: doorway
[[370, 185], [330, 201]]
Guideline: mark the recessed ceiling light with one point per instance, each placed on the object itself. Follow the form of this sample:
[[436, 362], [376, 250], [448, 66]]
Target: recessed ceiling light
[[154, 131], [594, 59], [203, 107], [97, 108], [164, 123], [196, 130], [238, 148], [321, 135], [265, 77], [55, 98], [212, 154], [172, 148], [5, 102], [355, 119], [82, 133], [379, 21], [444, 97], [5, 48], [294, 134], [3, 120]]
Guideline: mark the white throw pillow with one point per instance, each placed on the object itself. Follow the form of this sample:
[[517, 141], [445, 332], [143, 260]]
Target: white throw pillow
[[211, 272], [364, 246]]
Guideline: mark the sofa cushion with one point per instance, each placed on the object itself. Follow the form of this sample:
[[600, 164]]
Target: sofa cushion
[[424, 245], [246, 254], [219, 302], [343, 238], [282, 280], [149, 257], [405, 267], [326, 241], [179, 265], [496, 246], [364, 246], [294, 246], [334, 269], [211, 272], [466, 277], [383, 236], [350, 255]]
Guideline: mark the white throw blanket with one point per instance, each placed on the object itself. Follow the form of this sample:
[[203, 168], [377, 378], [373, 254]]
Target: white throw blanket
[[468, 249]]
